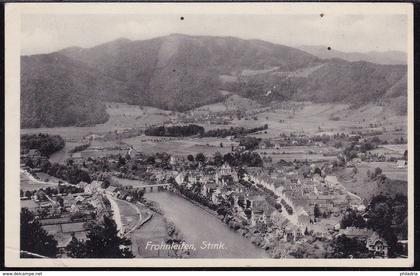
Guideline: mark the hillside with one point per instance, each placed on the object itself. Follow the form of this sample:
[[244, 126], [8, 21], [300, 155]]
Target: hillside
[[333, 81], [57, 91], [388, 57], [180, 72]]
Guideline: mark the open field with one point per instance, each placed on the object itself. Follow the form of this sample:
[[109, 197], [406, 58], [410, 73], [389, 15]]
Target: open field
[[122, 116], [290, 153], [399, 148], [313, 118], [305, 117], [182, 146]]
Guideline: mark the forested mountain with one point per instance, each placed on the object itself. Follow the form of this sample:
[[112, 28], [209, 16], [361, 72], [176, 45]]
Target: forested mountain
[[180, 72], [58, 91]]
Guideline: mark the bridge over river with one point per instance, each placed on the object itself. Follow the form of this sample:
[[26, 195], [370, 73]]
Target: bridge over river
[[143, 185], [155, 187]]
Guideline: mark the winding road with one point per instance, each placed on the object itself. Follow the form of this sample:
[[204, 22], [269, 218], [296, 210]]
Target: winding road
[[116, 212]]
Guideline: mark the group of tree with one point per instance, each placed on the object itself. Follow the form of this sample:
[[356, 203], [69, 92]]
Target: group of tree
[[249, 142], [239, 159], [346, 247], [388, 217], [385, 215], [70, 173], [286, 206], [352, 219], [44, 143], [102, 240], [233, 131], [33, 238], [61, 189], [353, 149], [175, 131]]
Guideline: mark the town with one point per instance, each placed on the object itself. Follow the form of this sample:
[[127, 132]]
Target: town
[[290, 208]]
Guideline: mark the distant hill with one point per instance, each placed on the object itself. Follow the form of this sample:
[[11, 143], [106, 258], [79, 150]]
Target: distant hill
[[388, 57], [180, 72]]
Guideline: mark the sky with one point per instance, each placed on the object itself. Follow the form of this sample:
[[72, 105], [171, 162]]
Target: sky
[[42, 33]]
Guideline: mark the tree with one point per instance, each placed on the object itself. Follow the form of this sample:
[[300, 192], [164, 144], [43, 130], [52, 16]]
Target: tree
[[378, 171], [76, 248], [121, 161], [317, 212], [344, 247], [200, 157], [249, 142], [351, 218], [317, 171], [218, 159], [150, 160], [103, 242], [190, 158], [60, 201], [33, 238], [228, 158]]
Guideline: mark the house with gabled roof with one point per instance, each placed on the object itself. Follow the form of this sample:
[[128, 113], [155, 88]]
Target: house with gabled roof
[[377, 245]]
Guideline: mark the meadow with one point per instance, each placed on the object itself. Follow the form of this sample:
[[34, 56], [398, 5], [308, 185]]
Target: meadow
[[122, 116]]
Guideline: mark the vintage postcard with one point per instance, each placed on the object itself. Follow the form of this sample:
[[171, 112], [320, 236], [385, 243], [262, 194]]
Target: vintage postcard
[[209, 135]]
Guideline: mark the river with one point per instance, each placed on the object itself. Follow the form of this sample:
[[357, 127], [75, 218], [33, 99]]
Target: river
[[198, 226], [63, 154]]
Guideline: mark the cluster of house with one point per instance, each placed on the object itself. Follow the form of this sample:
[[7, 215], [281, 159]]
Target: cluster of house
[[248, 206], [79, 206], [65, 215]]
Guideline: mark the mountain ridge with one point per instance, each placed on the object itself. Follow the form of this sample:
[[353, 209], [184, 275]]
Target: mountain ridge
[[181, 72]]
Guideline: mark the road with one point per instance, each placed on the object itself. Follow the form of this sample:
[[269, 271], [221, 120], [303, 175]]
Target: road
[[35, 180], [116, 212]]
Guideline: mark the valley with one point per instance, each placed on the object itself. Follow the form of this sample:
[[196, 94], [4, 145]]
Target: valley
[[281, 153]]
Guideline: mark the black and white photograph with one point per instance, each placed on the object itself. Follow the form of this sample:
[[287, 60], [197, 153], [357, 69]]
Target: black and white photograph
[[174, 131]]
